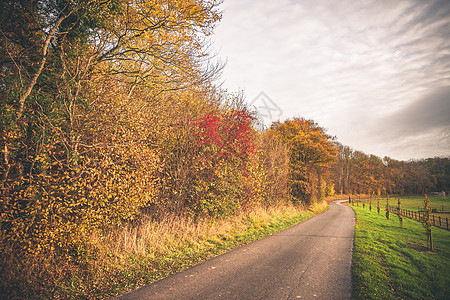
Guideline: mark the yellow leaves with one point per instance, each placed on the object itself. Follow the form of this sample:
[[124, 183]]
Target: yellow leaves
[[56, 210], [307, 140], [310, 151]]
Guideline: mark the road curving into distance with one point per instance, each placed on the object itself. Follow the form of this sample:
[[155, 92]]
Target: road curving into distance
[[311, 260]]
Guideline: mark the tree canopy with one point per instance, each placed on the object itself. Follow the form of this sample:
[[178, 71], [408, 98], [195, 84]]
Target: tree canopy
[[311, 152]]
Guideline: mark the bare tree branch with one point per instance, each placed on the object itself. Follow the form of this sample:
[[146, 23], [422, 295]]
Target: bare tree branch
[[36, 75]]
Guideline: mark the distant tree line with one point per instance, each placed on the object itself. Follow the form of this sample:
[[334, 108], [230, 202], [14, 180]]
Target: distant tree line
[[355, 172], [439, 168]]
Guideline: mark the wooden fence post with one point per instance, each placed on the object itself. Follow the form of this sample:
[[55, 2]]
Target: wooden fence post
[[378, 206], [387, 207], [399, 212]]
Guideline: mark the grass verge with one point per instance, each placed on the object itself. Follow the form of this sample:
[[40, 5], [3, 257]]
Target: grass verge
[[393, 263], [129, 257]]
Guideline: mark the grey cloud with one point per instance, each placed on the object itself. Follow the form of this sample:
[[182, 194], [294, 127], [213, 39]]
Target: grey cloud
[[345, 62], [419, 130], [428, 22], [430, 112], [435, 9]]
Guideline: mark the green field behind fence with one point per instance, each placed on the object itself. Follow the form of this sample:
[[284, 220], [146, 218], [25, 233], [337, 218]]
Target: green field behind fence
[[441, 207]]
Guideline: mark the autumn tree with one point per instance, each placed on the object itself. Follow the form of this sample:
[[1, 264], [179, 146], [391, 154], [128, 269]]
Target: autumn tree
[[206, 160], [77, 88], [66, 45], [274, 155], [341, 169], [311, 151]]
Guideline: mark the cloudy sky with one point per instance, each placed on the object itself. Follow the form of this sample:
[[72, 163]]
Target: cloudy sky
[[376, 74]]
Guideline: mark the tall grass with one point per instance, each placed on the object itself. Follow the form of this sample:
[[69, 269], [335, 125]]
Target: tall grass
[[134, 255]]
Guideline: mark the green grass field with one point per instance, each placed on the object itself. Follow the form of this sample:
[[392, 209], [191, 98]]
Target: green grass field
[[393, 263]]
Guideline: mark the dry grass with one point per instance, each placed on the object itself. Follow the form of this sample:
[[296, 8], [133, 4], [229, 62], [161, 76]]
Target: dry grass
[[174, 231], [131, 256]]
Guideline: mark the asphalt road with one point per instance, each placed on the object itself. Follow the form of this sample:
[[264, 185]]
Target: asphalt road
[[311, 260]]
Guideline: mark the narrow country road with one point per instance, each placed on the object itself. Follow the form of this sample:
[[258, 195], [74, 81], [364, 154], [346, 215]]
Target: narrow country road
[[311, 260]]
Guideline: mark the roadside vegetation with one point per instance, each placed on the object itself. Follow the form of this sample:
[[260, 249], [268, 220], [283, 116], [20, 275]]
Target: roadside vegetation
[[394, 263], [132, 256]]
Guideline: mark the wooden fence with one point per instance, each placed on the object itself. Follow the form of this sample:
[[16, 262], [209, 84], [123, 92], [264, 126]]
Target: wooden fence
[[437, 221]]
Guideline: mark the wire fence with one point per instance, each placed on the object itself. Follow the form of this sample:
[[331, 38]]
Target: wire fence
[[437, 221]]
